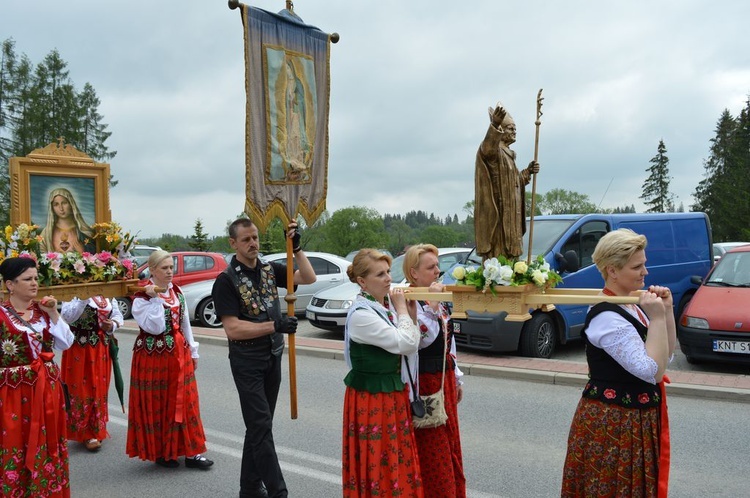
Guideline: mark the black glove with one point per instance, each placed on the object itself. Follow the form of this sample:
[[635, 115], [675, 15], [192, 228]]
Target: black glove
[[286, 325], [296, 240]]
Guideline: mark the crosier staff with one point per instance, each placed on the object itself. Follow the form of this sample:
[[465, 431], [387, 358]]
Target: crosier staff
[[533, 184]]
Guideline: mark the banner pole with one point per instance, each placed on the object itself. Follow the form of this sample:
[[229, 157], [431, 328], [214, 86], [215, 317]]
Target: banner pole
[[290, 299]]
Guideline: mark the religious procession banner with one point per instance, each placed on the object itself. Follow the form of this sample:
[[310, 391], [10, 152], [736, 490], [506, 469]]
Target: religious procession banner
[[286, 147]]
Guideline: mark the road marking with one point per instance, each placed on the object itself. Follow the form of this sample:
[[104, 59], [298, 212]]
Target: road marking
[[117, 418]]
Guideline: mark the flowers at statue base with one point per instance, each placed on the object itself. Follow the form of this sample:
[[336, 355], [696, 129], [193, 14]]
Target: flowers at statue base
[[508, 272], [55, 268]]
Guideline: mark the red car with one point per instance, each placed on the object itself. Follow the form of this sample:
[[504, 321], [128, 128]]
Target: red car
[[715, 325], [189, 267]]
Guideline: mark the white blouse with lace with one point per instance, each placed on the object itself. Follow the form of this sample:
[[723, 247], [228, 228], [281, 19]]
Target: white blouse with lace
[[619, 339]]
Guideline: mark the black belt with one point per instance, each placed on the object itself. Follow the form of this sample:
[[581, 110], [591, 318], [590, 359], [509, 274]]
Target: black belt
[[260, 341]]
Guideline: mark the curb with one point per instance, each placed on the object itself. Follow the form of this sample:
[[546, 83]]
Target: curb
[[524, 374]]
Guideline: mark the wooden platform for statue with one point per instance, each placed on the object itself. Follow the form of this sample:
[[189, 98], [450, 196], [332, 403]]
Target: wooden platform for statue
[[516, 301], [116, 288]]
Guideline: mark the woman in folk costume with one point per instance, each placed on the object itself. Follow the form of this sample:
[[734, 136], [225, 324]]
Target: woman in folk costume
[[164, 419], [379, 450], [33, 446], [619, 438], [439, 448], [87, 367]]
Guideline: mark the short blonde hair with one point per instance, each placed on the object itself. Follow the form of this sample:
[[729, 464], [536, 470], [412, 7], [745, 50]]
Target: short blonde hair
[[616, 248], [412, 257], [363, 261], [157, 257]]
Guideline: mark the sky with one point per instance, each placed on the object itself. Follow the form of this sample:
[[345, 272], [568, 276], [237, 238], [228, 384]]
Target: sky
[[411, 82]]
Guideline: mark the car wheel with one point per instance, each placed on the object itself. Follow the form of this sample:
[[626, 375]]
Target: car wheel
[[125, 306], [206, 313], [538, 338]]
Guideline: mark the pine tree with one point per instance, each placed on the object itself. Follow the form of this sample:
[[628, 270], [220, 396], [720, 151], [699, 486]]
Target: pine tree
[[656, 193], [711, 191], [199, 240]]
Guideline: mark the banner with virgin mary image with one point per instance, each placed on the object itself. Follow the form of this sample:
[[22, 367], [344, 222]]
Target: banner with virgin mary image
[[286, 144]]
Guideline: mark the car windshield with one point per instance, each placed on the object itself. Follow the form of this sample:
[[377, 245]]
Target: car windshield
[[397, 270], [732, 270], [546, 233]]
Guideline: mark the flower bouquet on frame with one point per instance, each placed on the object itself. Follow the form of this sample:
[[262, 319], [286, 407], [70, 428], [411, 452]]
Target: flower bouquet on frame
[[507, 272], [20, 241]]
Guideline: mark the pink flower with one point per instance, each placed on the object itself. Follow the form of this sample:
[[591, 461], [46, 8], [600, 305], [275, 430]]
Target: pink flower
[[128, 264], [104, 256], [11, 475], [90, 258], [643, 398], [49, 468], [79, 266], [610, 393], [55, 264], [52, 256]]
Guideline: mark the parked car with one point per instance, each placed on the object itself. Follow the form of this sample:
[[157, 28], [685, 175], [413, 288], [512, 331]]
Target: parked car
[[328, 308], [679, 247], [721, 248], [189, 267], [330, 271], [350, 256], [141, 253], [715, 325]]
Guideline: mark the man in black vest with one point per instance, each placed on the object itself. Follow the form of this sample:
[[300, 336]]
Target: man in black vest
[[247, 301]]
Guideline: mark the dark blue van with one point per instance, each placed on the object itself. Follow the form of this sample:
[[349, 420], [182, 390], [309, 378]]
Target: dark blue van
[[679, 247]]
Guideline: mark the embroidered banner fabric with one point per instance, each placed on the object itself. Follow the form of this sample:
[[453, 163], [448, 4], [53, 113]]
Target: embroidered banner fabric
[[286, 143]]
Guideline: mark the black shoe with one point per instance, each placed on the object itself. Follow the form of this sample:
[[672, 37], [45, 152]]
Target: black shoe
[[170, 464], [198, 462], [259, 492]]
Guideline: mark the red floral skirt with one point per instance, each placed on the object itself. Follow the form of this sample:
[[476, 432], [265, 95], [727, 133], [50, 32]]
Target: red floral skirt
[[439, 448], [612, 451], [32, 424], [379, 451], [87, 371], [163, 409]]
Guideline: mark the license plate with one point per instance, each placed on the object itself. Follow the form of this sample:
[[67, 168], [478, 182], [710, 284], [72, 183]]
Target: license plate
[[456, 327], [731, 347], [309, 315]]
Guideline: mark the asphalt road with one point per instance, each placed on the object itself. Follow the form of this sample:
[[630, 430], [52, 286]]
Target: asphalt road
[[514, 437]]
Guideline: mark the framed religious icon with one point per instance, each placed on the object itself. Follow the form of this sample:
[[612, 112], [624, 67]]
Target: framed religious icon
[[62, 191]]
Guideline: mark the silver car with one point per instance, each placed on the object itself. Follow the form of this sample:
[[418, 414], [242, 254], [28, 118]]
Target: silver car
[[330, 271], [328, 308]]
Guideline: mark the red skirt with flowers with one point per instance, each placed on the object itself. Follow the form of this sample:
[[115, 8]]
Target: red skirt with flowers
[[379, 450], [612, 451], [86, 369], [439, 448], [163, 411], [33, 446]]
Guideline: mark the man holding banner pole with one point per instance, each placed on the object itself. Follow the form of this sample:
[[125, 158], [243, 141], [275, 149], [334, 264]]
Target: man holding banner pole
[[247, 302]]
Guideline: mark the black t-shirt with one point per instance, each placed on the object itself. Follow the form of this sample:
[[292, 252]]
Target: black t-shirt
[[226, 296]]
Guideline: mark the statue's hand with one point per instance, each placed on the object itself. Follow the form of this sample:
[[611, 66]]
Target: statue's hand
[[533, 167], [497, 115]]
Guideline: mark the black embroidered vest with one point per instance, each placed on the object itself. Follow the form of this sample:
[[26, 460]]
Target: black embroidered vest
[[258, 303], [609, 381]]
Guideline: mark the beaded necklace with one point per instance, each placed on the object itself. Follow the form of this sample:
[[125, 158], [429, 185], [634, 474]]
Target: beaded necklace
[[385, 304]]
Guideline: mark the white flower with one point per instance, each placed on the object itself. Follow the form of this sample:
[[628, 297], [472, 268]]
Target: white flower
[[539, 277], [9, 347], [520, 267], [459, 273], [505, 275]]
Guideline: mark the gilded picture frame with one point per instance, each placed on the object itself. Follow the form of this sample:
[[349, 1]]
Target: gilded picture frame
[[52, 172]]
